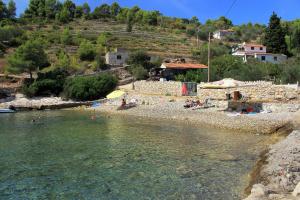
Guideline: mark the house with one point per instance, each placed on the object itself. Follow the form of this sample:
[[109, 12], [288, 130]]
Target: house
[[222, 34], [170, 70], [258, 52], [117, 57]]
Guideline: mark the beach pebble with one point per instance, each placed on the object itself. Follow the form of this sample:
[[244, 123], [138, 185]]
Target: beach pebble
[[296, 191]]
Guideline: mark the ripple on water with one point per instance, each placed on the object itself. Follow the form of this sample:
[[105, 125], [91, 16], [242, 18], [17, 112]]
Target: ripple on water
[[67, 155]]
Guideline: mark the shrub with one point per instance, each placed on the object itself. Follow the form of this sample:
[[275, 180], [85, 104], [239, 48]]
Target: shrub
[[89, 88], [139, 72], [86, 51], [100, 63], [49, 83], [66, 37]]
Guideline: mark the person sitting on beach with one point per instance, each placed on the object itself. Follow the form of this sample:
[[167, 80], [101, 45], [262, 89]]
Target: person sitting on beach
[[188, 104], [123, 104]]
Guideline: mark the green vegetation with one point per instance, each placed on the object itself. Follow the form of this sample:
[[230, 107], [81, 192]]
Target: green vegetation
[[275, 36], [28, 57], [49, 83], [140, 64], [89, 88], [60, 35], [227, 66], [86, 51]]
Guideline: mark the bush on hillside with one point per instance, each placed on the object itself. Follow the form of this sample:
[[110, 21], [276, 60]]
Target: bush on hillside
[[86, 51], [89, 88], [66, 37], [139, 72], [49, 83]]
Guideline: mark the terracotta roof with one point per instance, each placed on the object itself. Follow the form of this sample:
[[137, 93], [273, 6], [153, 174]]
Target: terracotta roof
[[183, 66]]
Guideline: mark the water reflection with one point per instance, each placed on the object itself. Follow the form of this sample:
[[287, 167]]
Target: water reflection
[[66, 154]]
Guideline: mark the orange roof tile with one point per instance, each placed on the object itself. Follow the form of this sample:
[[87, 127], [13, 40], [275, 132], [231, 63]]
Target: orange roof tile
[[184, 66]]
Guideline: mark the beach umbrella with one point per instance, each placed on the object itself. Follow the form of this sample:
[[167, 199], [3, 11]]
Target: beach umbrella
[[115, 94]]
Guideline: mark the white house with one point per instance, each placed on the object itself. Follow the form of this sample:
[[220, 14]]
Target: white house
[[270, 57], [221, 34], [117, 57], [259, 52]]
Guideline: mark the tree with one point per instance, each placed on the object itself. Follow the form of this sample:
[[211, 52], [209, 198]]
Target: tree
[[90, 88], [78, 12], [150, 18], [66, 37], [41, 9], [100, 62], [122, 16], [71, 7], [11, 9], [102, 12], [275, 36], [223, 23], [129, 21], [296, 40], [86, 10], [140, 58], [64, 16], [28, 57], [63, 60], [52, 7], [129, 26], [86, 51], [115, 9], [103, 39], [195, 20], [3, 10]]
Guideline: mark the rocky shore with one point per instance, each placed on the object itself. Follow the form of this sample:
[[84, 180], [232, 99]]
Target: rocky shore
[[21, 103], [279, 177], [167, 108], [278, 174]]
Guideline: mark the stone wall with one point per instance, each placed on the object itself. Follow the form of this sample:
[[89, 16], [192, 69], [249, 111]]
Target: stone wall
[[253, 92], [171, 88], [258, 91]]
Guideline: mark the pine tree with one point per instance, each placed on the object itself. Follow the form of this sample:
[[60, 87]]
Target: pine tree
[[11, 9], [86, 10], [296, 40], [275, 36], [28, 57], [52, 7], [3, 10]]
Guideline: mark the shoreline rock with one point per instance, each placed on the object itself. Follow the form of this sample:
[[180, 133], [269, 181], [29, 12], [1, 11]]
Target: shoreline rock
[[279, 177], [21, 103]]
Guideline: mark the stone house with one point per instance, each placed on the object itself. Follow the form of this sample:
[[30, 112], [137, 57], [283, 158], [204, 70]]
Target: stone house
[[117, 57], [222, 34]]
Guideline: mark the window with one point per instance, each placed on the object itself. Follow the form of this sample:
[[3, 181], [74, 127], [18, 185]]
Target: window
[[275, 58], [252, 48], [261, 48], [119, 57], [263, 58]]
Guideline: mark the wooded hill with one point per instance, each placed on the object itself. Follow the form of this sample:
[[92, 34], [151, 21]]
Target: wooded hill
[[76, 38]]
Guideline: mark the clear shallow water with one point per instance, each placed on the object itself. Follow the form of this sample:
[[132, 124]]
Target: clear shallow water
[[66, 155]]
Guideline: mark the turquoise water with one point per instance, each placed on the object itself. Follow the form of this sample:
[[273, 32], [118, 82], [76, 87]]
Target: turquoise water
[[67, 155]]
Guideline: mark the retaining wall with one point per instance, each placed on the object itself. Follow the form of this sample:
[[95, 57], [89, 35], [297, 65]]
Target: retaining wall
[[171, 88], [257, 93], [258, 90]]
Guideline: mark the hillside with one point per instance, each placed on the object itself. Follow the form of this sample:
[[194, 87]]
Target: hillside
[[155, 40]]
